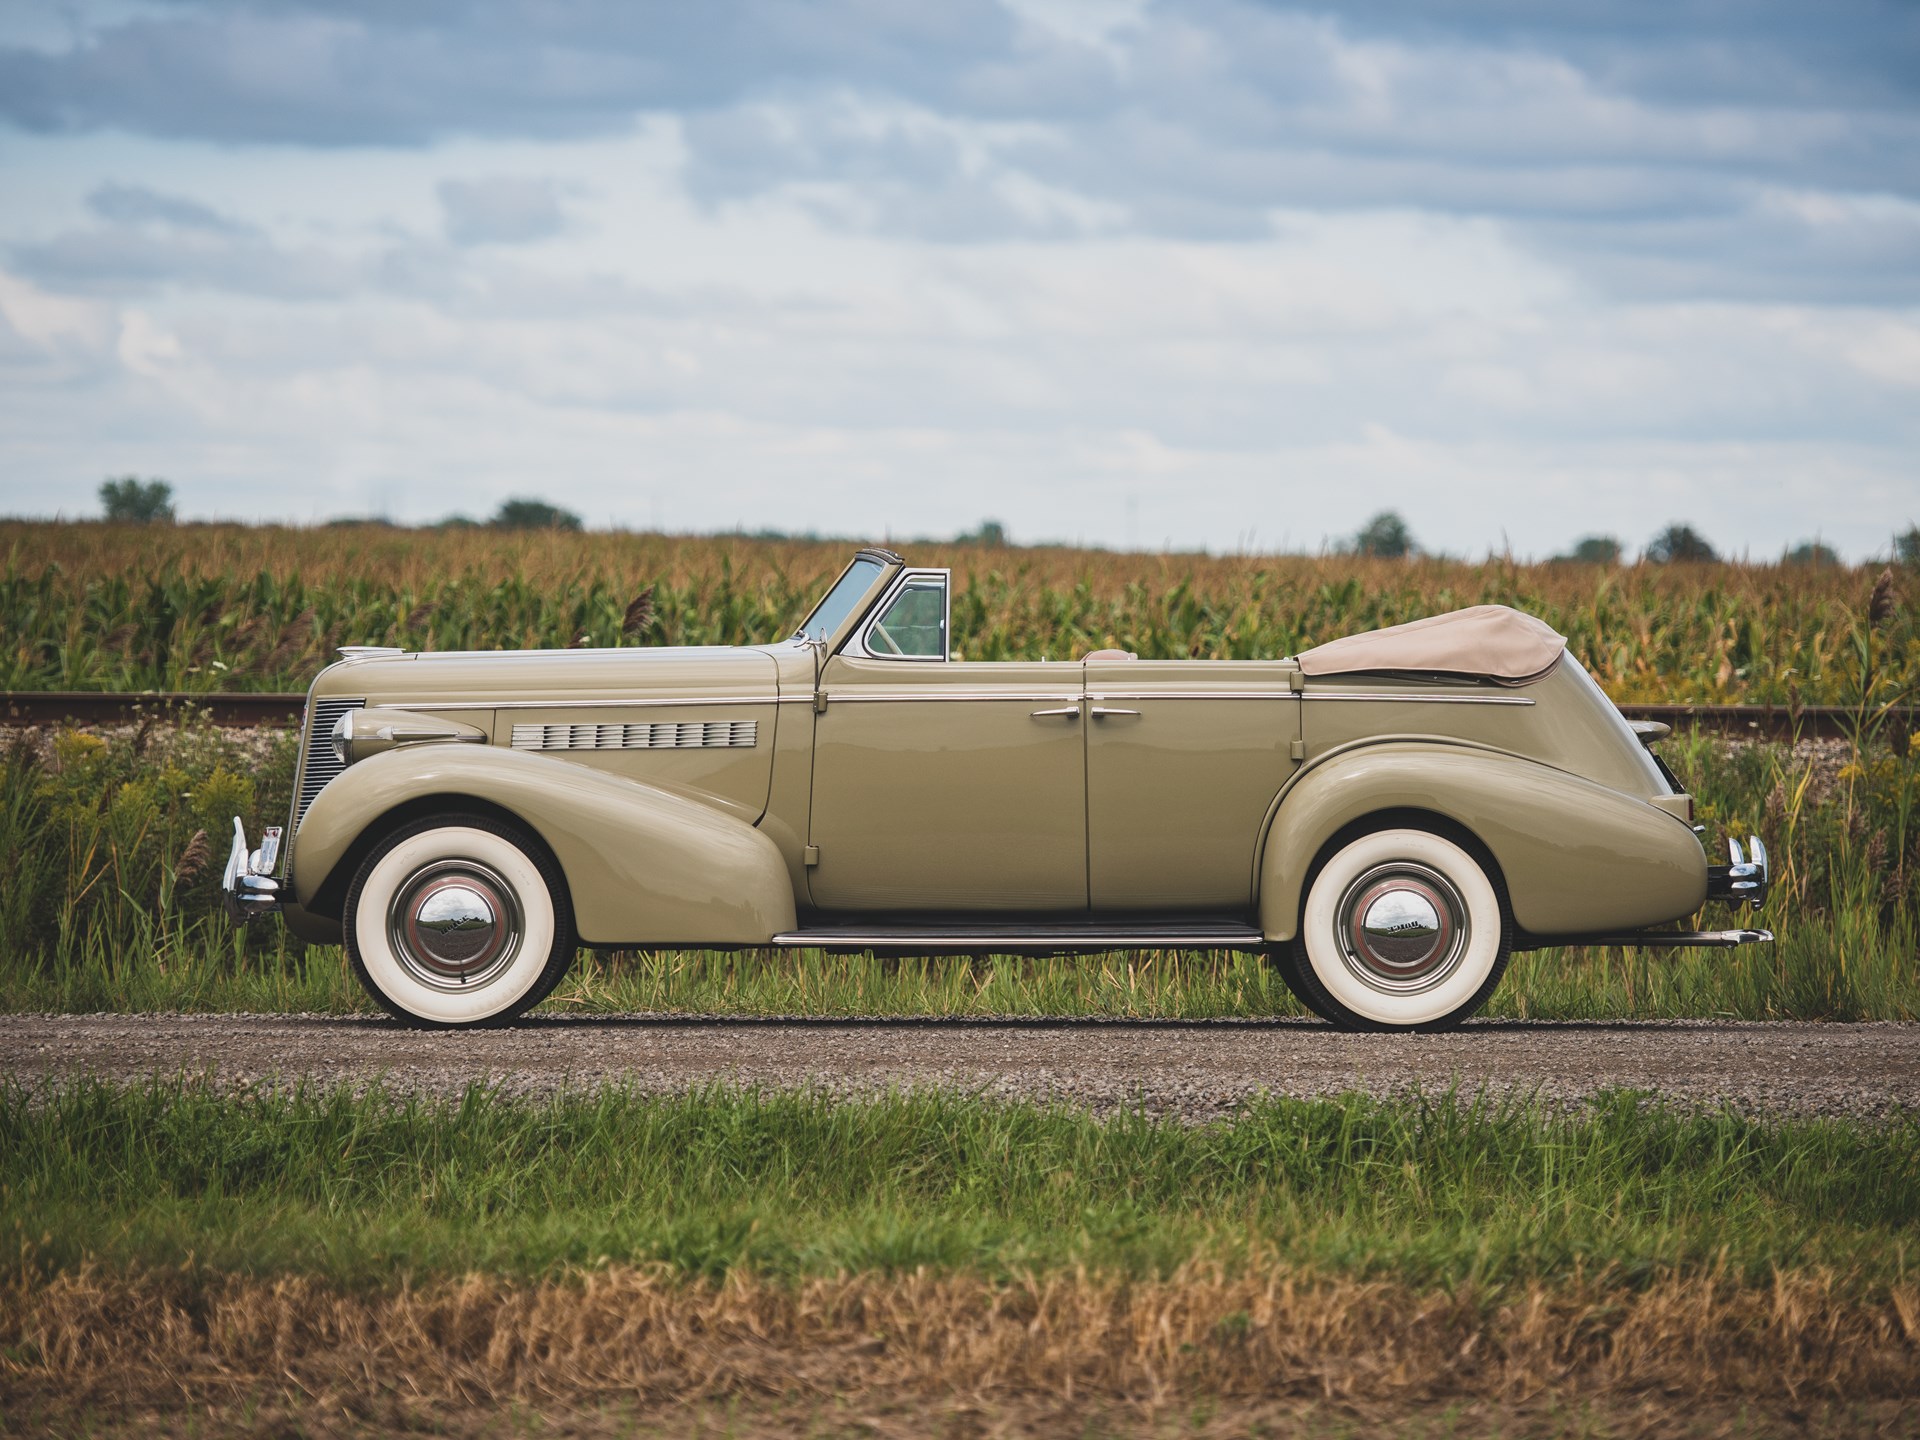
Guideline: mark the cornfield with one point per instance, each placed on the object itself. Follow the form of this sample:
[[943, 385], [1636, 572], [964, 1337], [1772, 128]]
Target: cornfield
[[95, 607]]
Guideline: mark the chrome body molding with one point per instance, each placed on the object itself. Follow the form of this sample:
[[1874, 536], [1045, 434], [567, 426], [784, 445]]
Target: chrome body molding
[[1388, 698], [895, 697], [683, 701], [662, 735], [1192, 695]]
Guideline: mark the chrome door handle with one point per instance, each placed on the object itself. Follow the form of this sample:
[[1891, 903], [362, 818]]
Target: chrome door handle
[[1100, 710], [1073, 710]]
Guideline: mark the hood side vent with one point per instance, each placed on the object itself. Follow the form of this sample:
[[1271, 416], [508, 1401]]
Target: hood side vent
[[667, 735]]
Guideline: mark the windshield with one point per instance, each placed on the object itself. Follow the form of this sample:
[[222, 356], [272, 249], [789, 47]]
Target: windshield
[[830, 612]]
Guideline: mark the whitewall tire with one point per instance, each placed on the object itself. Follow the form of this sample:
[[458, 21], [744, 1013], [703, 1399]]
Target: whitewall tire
[[1402, 930], [458, 921]]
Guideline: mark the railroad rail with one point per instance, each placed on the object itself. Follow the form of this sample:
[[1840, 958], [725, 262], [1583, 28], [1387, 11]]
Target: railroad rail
[[248, 710]]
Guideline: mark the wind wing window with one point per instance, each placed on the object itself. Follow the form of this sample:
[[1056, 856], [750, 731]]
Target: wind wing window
[[914, 626]]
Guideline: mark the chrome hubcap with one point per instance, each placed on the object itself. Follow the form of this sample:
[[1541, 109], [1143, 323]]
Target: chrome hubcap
[[1403, 928], [455, 925]]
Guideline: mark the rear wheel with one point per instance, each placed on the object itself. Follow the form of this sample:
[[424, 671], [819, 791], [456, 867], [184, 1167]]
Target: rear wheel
[[459, 921], [1402, 930]]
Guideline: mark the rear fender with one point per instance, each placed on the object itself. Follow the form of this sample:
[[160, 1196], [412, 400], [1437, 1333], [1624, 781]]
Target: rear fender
[[643, 865], [1577, 857]]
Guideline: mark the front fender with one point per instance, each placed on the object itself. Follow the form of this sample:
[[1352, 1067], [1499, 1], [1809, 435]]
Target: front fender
[[1577, 856], [645, 866]]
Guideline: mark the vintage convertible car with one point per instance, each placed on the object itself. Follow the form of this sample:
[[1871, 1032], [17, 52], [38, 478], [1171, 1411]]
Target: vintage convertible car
[[1387, 816]]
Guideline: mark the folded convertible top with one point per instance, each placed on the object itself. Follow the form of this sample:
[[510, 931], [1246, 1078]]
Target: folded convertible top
[[1490, 642]]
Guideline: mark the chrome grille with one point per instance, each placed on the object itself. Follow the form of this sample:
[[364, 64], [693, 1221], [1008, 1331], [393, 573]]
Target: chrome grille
[[319, 764], [664, 735]]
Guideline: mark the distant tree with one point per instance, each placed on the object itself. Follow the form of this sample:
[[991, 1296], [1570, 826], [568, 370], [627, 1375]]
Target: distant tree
[[343, 522], [1596, 550], [1386, 536], [133, 501], [1906, 548], [1680, 544], [989, 532], [1811, 553], [524, 514]]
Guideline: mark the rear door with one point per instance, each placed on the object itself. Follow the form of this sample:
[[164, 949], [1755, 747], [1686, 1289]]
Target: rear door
[[1184, 759]]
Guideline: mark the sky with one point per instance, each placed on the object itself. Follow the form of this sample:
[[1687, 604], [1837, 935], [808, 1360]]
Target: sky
[[1212, 274]]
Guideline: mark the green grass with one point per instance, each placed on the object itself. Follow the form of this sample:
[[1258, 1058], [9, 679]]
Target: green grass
[[364, 1189]]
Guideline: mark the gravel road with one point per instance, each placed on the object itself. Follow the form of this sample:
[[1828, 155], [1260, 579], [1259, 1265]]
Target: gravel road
[[1193, 1069]]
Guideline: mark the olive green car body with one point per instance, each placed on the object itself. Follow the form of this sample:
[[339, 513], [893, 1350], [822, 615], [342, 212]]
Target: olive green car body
[[748, 796]]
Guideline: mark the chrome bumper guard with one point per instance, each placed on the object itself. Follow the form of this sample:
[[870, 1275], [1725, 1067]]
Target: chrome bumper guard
[[248, 885], [1746, 879]]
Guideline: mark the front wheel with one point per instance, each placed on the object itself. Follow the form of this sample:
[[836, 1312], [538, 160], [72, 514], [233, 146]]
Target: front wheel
[[458, 922], [1402, 930]]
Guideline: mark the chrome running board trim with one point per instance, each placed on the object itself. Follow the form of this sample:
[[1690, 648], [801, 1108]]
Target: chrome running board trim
[[1667, 939], [949, 936]]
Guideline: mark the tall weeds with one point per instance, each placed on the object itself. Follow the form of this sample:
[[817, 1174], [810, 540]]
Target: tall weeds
[[110, 850]]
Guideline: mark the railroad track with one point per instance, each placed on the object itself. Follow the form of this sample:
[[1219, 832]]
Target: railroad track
[[247, 710]]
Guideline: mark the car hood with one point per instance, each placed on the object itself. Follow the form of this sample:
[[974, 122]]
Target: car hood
[[479, 677]]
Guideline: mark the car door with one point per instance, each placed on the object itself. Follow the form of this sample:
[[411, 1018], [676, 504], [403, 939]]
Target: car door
[[1184, 758], [941, 786]]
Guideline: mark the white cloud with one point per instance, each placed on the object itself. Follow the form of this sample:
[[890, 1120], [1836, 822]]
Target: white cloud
[[1214, 275], [505, 210]]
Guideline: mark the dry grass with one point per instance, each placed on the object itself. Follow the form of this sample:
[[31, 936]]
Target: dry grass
[[112, 1339]]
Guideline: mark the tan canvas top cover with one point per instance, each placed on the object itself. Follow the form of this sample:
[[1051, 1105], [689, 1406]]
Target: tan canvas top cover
[[1487, 640]]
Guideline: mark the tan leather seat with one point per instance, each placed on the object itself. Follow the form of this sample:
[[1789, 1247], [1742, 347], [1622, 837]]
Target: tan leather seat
[[1110, 655]]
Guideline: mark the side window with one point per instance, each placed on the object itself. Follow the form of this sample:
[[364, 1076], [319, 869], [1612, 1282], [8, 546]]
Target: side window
[[914, 626]]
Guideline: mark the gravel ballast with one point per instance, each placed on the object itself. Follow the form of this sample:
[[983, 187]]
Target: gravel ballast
[[1197, 1070]]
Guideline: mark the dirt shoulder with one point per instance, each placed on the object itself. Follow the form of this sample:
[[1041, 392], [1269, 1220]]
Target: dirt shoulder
[[1197, 1070]]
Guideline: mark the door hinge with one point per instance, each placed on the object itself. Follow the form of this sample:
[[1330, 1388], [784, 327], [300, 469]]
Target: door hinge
[[811, 854], [1296, 681], [1299, 749], [819, 702]]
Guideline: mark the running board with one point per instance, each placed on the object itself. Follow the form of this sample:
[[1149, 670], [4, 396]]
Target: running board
[[1662, 939], [1049, 937]]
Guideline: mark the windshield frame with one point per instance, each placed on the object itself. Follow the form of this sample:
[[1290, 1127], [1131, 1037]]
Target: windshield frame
[[889, 565]]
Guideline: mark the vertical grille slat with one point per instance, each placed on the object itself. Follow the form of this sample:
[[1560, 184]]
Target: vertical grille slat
[[318, 764]]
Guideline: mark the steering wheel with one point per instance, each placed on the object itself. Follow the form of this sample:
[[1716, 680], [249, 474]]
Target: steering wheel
[[891, 645]]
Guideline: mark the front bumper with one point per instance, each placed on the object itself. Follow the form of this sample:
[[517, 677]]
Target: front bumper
[[249, 886], [1747, 879]]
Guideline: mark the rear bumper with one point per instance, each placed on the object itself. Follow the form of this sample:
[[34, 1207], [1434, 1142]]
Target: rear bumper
[[1747, 879], [249, 887]]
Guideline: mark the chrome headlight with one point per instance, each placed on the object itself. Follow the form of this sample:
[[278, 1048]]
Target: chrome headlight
[[342, 739], [366, 731]]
